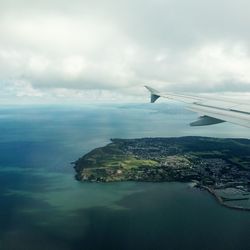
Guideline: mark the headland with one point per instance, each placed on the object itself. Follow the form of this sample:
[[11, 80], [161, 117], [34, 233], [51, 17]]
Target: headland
[[220, 166]]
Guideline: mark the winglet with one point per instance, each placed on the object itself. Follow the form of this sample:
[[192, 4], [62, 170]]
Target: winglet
[[154, 94]]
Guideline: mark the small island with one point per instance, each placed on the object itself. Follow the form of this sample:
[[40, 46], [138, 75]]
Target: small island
[[221, 166]]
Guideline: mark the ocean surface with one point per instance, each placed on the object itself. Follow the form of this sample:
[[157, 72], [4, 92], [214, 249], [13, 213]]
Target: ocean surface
[[43, 207]]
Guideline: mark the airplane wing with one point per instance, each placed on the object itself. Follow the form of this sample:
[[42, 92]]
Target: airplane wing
[[211, 110]]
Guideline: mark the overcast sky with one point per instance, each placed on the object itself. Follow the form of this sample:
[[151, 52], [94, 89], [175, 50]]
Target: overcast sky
[[109, 49]]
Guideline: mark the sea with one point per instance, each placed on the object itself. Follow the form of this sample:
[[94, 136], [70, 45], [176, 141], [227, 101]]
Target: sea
[[43, 207]]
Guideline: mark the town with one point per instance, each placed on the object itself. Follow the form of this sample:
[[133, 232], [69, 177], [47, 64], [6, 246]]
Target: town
[[221, 166]]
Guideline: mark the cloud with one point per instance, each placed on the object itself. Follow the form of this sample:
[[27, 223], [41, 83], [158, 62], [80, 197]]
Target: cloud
[[52, 47]]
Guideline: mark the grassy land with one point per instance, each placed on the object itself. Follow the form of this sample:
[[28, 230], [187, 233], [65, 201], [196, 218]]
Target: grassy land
[[160, 159], [113, 157]]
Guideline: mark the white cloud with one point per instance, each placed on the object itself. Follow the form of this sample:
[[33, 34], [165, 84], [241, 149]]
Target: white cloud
[[57, 48]]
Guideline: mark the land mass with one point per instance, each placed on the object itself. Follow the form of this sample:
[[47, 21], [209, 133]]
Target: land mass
[[221, 166]]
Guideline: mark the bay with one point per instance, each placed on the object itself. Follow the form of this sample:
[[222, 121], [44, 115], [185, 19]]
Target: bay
[[44, 207]]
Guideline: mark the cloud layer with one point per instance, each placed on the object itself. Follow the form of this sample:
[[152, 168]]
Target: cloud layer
[[62, 48]]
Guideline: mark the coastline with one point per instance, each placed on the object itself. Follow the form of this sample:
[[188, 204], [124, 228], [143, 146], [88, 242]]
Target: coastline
[[211, 163], [220, 200]]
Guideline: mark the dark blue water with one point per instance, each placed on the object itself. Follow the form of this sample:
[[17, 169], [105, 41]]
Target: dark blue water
[[43, 207]]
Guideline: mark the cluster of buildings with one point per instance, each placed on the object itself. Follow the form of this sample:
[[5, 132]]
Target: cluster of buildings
[[170, 159], [175, 162]]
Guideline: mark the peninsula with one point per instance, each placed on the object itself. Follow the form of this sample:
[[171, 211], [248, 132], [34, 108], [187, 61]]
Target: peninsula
[[221, 166]]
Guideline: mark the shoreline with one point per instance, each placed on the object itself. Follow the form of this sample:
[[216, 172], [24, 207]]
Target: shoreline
[[210, 162], [221, 202]]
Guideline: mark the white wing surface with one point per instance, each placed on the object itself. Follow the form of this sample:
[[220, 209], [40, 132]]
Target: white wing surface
[[211, 110]]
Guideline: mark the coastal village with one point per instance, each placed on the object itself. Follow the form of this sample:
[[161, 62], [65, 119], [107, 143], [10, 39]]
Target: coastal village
[[221, 166]]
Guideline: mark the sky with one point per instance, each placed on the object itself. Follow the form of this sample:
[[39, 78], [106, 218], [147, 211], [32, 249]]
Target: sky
[[57, 50]]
